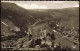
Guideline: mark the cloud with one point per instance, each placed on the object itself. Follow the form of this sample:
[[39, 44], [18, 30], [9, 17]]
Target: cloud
[[58, 1], [44, 7], [76, 5], [32, 6]]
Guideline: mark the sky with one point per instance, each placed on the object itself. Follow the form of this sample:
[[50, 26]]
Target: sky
[[45, 4]]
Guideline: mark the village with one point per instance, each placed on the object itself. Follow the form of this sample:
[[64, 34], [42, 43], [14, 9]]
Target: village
[[44, 38]]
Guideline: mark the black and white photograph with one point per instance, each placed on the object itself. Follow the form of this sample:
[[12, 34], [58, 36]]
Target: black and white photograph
[[40, 25]]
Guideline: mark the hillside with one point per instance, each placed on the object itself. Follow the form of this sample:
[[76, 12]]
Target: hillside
[[14, 16], [22, 16]]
